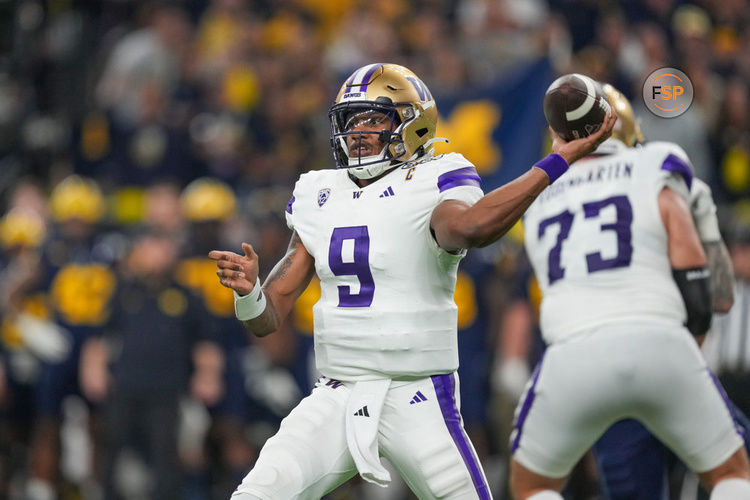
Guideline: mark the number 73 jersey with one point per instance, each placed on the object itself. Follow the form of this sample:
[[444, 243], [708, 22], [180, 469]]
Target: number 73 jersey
[[598, 245], [386, 307]]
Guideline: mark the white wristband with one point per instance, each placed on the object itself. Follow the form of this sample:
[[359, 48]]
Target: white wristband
[[251, 305]]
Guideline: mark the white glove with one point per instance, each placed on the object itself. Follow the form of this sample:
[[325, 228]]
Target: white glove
[[703, 208], [45, 339]]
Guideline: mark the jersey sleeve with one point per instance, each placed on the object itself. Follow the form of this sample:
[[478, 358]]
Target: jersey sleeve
[[289, 212], [671, 167], [458, 179], [292, 204]]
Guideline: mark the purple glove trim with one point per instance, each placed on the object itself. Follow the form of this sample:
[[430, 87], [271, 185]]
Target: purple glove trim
[[553, 165]]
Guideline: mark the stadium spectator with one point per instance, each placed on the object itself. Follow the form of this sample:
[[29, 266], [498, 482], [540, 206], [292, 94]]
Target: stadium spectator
[[24, 341], [209, 206], [74, 273], [143, 69], [156, 348]]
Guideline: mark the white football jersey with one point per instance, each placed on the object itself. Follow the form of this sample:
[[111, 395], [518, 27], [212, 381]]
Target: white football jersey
[[597, 242], [386, 305]]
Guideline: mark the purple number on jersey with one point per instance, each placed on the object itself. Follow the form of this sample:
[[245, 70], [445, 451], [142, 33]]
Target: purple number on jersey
[[359, 267], [621, 227], [594, 261], [555, 271]]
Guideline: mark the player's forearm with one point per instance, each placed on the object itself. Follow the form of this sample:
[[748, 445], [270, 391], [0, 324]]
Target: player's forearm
[[495, 213], [703, 210], [263, 313], [268, 321], [721, 281], [278, 307]]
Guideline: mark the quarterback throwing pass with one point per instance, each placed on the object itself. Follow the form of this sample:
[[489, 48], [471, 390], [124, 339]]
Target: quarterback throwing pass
[[384, 232]]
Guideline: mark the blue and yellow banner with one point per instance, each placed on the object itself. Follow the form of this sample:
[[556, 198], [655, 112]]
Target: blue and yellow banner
[[500, 127]]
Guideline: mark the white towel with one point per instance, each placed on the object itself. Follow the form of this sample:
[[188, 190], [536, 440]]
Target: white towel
[[362, 421]]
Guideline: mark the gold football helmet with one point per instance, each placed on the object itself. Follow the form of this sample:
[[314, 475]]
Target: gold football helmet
[[22, 228], [626, 129], [397, 93], [77, 197], [208, 199]]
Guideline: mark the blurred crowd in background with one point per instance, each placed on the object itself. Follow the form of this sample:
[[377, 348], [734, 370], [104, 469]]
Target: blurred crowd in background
[[135, 136]]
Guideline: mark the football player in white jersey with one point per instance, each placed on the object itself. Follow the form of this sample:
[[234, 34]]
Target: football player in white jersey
[[632, 463], [384, 232], [625, 283]]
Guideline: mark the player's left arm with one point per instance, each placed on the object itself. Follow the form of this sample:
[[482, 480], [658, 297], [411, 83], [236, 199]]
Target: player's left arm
[[721, 282]]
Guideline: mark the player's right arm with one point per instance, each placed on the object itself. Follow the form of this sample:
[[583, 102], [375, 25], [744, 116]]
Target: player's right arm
[[703, 209], [287, 280], [457, 225], [722, 275]]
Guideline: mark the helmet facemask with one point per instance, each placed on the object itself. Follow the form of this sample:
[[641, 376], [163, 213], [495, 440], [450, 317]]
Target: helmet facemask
[[347, 116], [399, 95]]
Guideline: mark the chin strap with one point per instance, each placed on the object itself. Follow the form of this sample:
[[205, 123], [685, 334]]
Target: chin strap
[[427, 149], [427, 146], [432, 141]]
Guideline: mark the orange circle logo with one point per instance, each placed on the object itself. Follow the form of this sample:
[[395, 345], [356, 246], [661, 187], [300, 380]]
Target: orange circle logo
[[667, 92]]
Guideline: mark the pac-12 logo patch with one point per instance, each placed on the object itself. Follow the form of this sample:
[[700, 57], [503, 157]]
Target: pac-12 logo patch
[[323, 196]]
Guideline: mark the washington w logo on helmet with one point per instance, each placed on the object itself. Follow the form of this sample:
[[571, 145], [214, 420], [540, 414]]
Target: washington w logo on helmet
[[390, 102]]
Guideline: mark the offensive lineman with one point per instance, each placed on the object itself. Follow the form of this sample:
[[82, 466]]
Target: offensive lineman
[[621, 267], [384, 233], [633, 464]]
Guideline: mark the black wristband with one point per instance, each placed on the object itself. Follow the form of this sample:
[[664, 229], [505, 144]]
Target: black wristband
[[696, 293]]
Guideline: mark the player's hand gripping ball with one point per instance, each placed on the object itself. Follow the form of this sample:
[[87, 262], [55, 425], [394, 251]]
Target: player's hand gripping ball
[[575, 106]]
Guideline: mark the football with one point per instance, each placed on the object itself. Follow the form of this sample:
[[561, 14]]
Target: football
[[575, 106]]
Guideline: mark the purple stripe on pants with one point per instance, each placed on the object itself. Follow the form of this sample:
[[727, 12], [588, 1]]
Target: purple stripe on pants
[[530, 394], [445, 391], [727, 403]]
